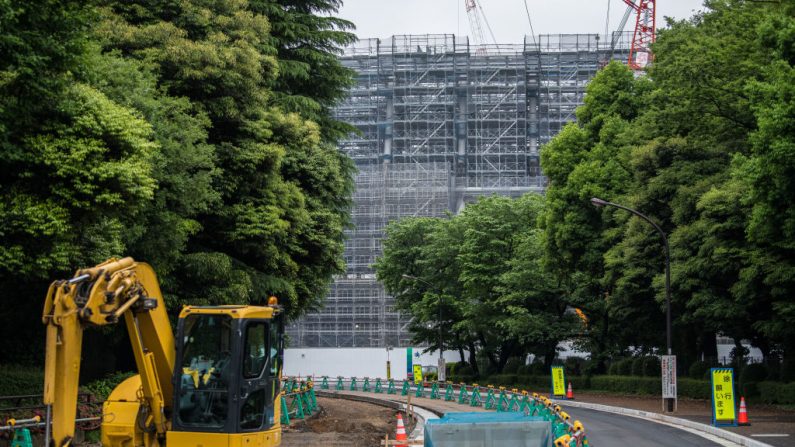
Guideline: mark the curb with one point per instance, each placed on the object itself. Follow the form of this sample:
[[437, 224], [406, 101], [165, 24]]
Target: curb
[[661, 418]]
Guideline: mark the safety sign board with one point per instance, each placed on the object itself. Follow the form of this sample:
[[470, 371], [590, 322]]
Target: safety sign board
[[558, 382], [723, 400], [417, 374], [668, 364]]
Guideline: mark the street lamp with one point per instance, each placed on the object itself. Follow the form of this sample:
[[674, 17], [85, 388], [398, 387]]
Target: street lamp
[[597, 202], [441, 373], [388, 363]]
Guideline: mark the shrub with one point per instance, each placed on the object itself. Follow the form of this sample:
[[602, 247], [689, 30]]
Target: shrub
[[698, 370], [101, 388], [755, 372], [624, 367], [538, 369], [20, 380], [523, 370], [627, 384], [651, 366], [637, 366], [574, 365], [613, 368], [512, 365], [777, 392], [506, 380], [464, 369], [788, 369], [693, 388]]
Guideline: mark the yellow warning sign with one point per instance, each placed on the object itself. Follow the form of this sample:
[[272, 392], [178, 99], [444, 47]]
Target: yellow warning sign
[[558, 381], [723, 394], [417, 374]]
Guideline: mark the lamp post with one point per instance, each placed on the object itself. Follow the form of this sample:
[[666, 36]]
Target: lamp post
[[597, 202], [388, 363], [441, 373]]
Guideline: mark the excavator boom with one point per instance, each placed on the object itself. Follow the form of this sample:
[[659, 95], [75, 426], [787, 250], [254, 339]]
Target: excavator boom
[[95, 297]]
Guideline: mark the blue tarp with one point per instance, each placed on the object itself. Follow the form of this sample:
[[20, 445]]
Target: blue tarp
[[487, 429]]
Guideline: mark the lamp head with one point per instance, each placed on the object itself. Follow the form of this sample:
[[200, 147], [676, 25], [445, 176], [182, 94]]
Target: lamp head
[[597, 202]]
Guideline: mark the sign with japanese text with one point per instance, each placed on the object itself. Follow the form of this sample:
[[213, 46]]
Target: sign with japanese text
[[558, 382], [723, 397], [668, 364], [417, 374]]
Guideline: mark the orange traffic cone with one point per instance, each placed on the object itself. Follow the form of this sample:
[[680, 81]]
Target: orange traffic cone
[[570, 393], [742, 419], [400, 433]]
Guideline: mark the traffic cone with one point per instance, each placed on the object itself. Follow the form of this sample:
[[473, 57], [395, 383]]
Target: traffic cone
[[400, 433], [742, 419], [570, 393]]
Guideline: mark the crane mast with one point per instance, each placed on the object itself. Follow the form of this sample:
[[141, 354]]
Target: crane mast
[[645, 33]]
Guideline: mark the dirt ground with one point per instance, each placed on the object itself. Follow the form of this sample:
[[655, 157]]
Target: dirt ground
[[342, 423]]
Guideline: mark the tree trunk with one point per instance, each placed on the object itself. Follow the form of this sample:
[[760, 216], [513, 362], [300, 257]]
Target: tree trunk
[[461, 353], [472, 361]]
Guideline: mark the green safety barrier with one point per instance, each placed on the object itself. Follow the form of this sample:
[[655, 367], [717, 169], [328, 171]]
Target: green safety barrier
[[420, 390], [366, 385], [339, 386], [353, 383], [502, 401], [449, 393], [406, 388], [391, 387], [513, 404], [378, 385], [463, 394], [475, 400], [491, 401], [22, 438], [324, 383], [435, 390]]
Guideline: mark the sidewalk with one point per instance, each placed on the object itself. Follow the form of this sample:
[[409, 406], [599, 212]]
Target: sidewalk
[[765, 420]]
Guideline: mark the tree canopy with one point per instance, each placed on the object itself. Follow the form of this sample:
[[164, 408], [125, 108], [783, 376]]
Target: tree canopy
[[196, 136]]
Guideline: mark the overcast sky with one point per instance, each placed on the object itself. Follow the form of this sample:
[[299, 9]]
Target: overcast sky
[[508, 19]]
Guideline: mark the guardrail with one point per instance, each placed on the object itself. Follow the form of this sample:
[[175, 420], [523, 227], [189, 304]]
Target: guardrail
[[566, 433]]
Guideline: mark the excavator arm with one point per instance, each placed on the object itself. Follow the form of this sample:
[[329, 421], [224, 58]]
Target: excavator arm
[[100, 296]]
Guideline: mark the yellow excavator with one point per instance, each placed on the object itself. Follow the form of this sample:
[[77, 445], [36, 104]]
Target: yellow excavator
[[216, 385]]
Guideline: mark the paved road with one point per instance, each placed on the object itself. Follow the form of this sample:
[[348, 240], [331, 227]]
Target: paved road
[[603, 429]]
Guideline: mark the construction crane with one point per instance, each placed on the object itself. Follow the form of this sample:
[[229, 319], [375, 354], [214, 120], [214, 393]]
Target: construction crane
[[476, 20], [640, 54]]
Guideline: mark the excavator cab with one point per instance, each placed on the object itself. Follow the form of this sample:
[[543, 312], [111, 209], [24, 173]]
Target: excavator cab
[[227, 375]]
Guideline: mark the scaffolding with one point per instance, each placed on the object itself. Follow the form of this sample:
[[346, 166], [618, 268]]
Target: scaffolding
[[441, 122]]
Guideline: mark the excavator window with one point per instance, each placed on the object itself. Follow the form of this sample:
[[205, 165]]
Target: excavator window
[[206, 368]]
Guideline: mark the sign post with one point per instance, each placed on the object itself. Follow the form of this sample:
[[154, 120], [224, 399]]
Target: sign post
[[558, 382], [409, 362], [723, 402], [441, 370], [668, 366]]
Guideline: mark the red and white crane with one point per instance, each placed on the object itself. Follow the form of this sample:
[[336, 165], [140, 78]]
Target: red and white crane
[[645, 34]]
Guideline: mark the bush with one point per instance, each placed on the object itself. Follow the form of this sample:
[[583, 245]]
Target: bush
[[538, 369], [693, 388], [512, 365], [523, 370], [506, 380], [651, 366], [627, 384], [698, 370], [612, 370], [102, 388], [637, 366], [788, 369], [624, 367], [575, 366], [755, 372], [21, 380], [777, 392], [464, 369]]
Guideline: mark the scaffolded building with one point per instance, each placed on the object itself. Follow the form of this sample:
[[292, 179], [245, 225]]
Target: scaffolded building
[[441, 123]]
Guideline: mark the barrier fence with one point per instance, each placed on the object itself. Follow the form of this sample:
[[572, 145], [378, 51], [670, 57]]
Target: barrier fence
[[566, 433]]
